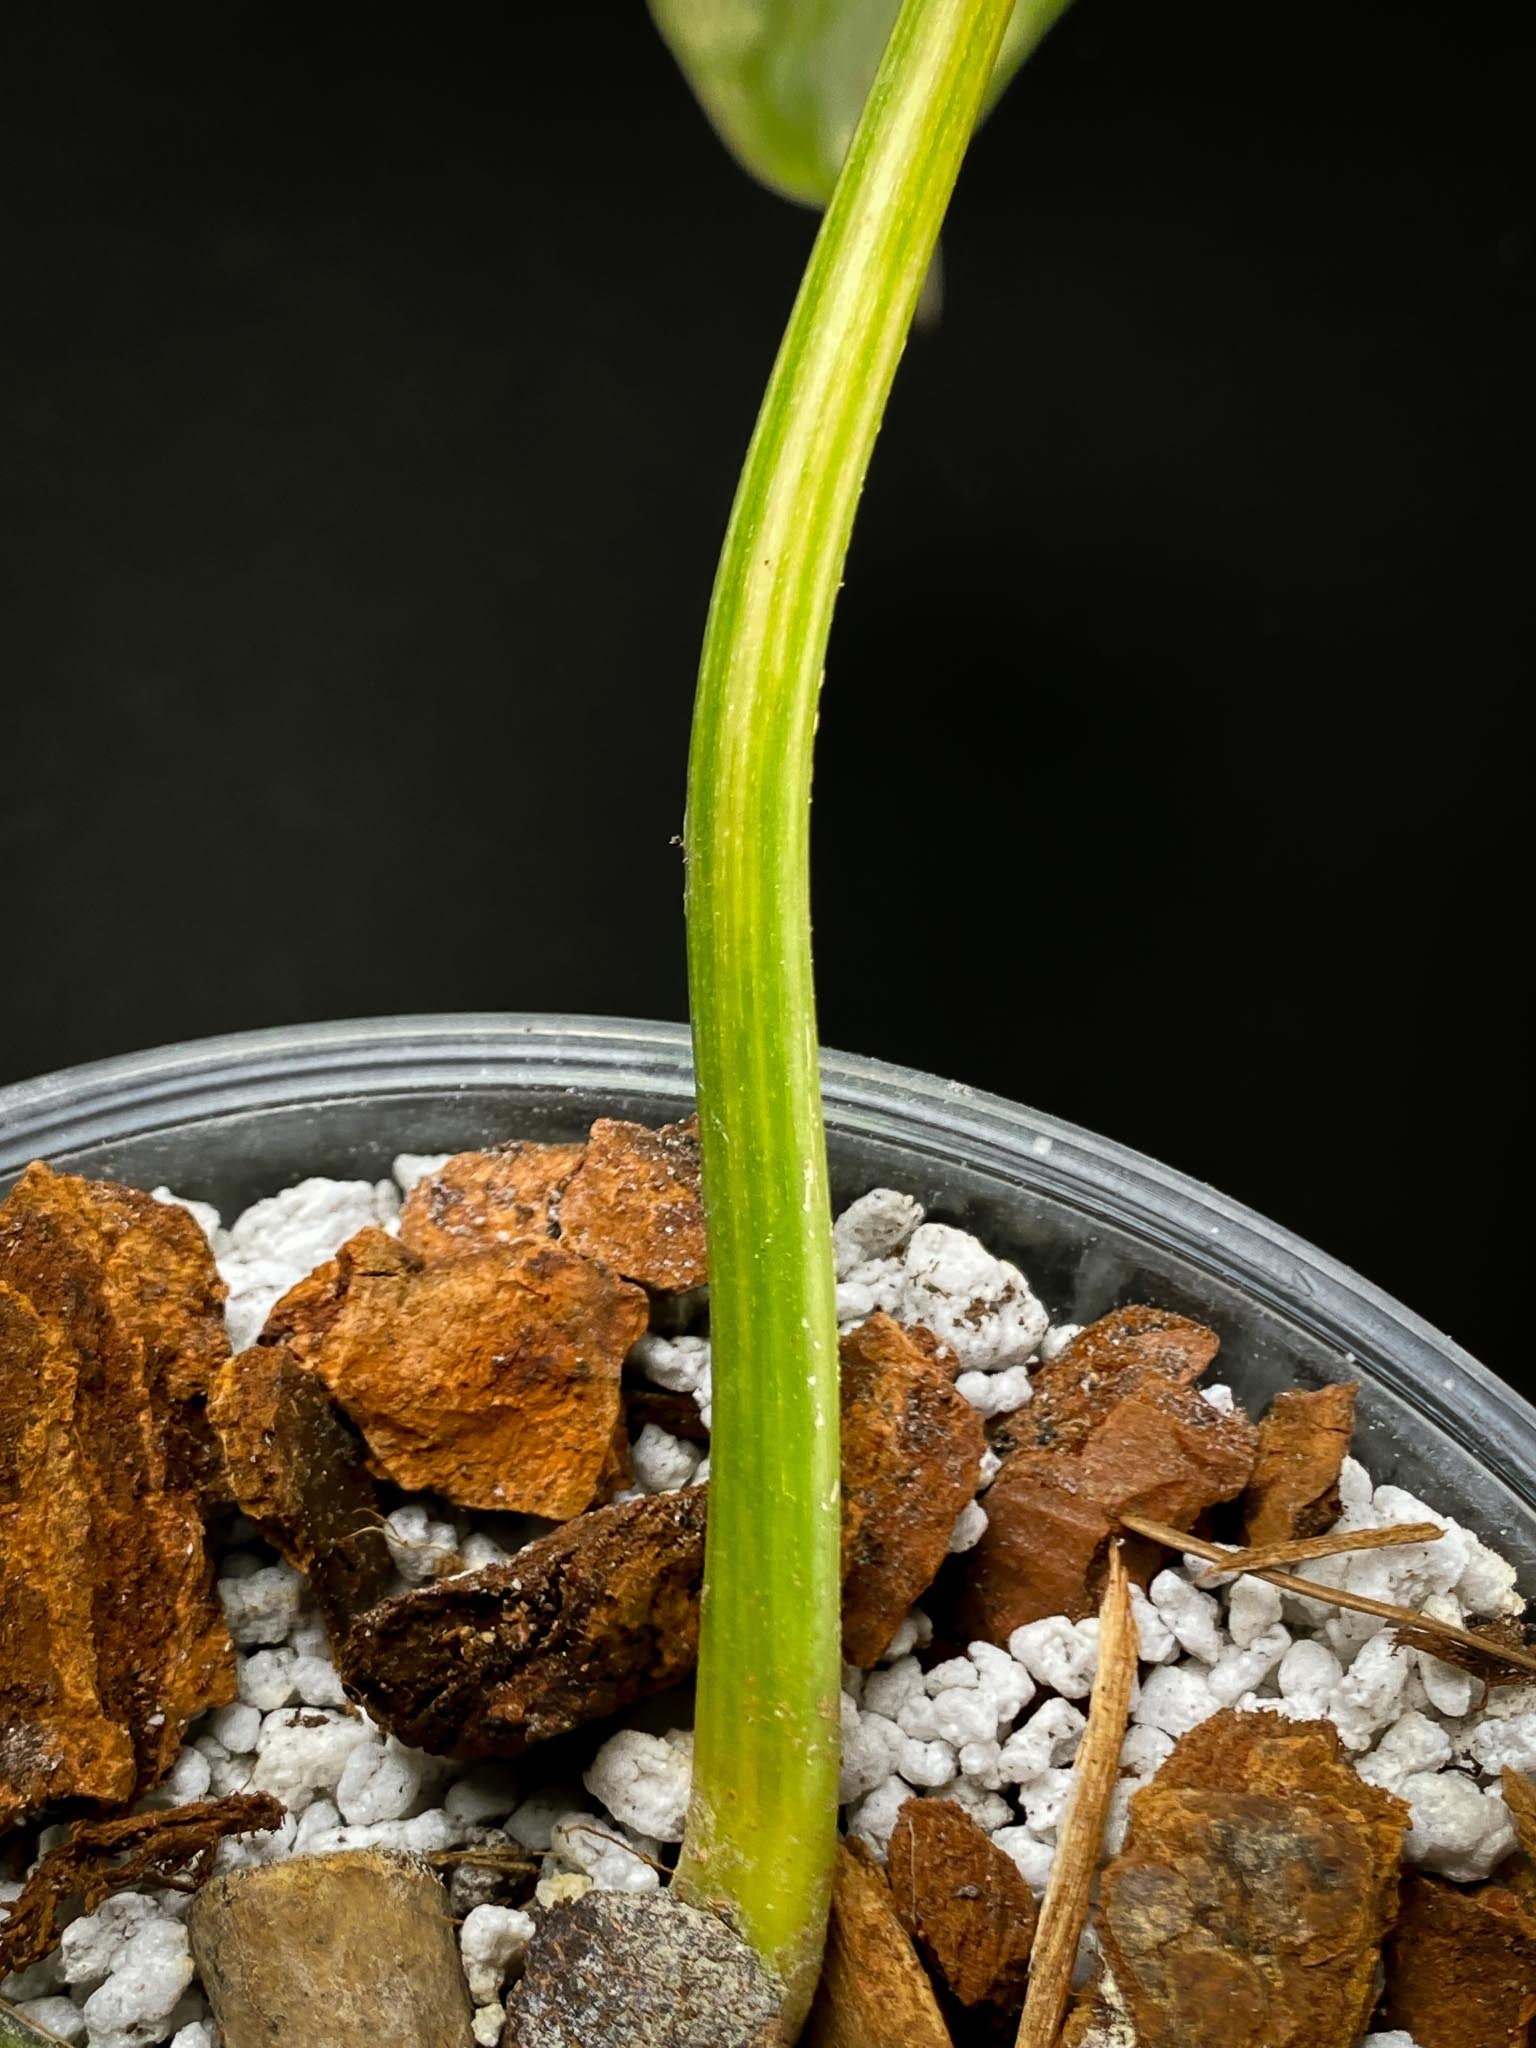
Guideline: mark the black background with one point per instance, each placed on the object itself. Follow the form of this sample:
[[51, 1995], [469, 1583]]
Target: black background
[[373, 385]]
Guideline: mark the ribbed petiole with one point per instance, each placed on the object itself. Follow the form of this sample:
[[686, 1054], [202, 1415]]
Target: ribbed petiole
[[761, 1833]]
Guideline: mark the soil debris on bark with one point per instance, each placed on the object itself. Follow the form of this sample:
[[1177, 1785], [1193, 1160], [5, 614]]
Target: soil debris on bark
[[591, 1618], [965, 1905], [97, 1858], [1257, 1882], [639, 1970], [911, 1457], [873, 1988], [1104, 1362], [490, 1379], [299, 1471], [634, 1204], [352, 1950], [111, 1638], [476, 1200], [1461, 1966], [1162, 1451], [1303, 1442]]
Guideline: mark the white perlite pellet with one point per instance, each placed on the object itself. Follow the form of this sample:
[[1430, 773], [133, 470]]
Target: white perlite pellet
[[994, 1729]]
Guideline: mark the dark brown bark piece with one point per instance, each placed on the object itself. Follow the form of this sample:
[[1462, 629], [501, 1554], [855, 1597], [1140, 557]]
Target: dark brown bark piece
[[98, 1858], [479, 1199], [1461, 1966], [1162, 1451], [299, 1471], [354, 1950], [1104, 1362], [911, 1458], [491, 1379], [1303, 1442], [635, 1205], [57, 1741], [640, 1970], [678, 1414], [125, 1290], [964, 1903], [873, 1988], [588, 1619], [1257, 1881]]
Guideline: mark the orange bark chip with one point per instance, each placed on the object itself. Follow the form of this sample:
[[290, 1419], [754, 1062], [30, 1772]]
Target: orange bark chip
[[478, 1199], [490, 1379], [111, 1264], [634, 1204], [1303, 1442], [964, 1903], [57, 1740], [1258, 1879], [1162, 1451], [123, 1292], [1461, 1967], [911, 1456], [1043, 1551], [1104, 1362]]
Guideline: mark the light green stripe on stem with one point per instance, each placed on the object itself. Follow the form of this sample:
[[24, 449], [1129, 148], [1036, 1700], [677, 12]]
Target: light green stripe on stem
[[762, 1829]]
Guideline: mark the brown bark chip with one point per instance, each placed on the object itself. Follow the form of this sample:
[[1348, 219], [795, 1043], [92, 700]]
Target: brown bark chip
[[479, 1199], [1051, 1511], [911, 1457], [585, 1621], [1257, 1881], [113, 1265], [56, 1739], [114, 1301], [354, 1950], [1106, 1361], [298, 1470], [1461, 1966], [1518, 1870], [98, 1858], [1303, 1442], [634, 1204], [964, 1903], [873, 1988], [640, 1970], [492, 1378]]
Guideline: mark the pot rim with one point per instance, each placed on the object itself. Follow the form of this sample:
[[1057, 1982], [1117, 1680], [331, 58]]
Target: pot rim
[[946, 1122]]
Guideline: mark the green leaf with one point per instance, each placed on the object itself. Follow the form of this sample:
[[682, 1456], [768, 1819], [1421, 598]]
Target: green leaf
[[784, 80]]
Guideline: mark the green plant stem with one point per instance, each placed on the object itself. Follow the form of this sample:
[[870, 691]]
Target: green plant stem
[[762, 1829]]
